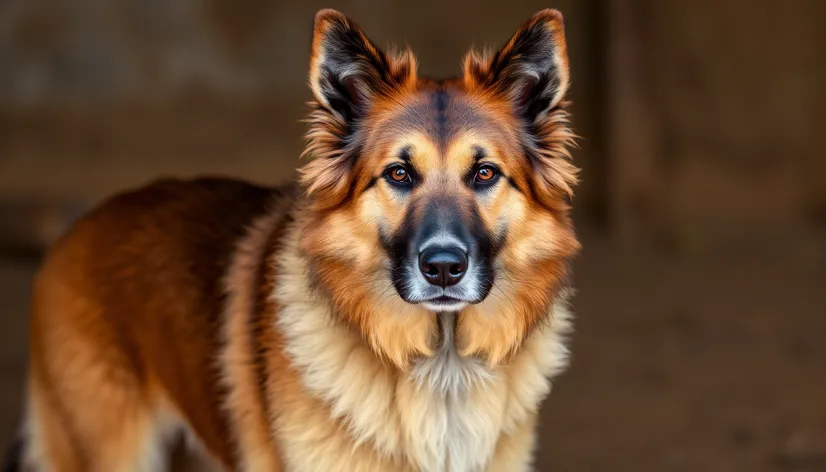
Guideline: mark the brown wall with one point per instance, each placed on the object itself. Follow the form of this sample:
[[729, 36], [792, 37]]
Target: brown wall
[[718, 112]]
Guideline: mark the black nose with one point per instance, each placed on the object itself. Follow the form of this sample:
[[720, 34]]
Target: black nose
[[443, 266]]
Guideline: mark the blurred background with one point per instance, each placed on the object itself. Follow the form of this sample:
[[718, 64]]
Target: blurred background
[[701, 330]]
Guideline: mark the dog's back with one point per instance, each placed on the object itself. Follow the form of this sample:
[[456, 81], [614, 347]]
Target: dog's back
[[125, 322]]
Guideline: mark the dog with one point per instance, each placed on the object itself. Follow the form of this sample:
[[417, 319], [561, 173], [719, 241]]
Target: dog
[[401, 307]]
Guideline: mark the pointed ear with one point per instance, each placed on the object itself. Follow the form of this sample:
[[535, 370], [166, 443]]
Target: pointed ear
[[347, 71], [531, 72], [347, 74], [531, 69]]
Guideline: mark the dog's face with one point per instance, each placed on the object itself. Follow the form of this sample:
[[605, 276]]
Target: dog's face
[[439, 196]]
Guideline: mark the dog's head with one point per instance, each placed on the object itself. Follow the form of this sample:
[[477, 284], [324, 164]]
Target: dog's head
[[439, 196]]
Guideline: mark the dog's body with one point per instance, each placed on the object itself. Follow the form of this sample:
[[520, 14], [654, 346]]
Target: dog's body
[[288, 329]]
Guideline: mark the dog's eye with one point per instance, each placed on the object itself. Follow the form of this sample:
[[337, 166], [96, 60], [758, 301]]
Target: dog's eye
[[398, 175], [486, 174]]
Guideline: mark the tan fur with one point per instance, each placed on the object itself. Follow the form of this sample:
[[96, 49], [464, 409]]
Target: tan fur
[[245, 403], [262, 324]]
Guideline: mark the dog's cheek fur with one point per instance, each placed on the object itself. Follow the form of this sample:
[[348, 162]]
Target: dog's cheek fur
[[530, 271], [349, 267]]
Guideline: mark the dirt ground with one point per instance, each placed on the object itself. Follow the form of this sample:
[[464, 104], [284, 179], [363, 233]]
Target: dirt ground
[[712, 362]]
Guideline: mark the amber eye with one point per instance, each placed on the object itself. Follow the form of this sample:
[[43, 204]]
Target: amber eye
[[486, 174], [398, 174]]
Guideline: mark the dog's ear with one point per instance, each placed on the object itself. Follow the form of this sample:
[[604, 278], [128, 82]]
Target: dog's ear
[[531, 69], [348, 73], [531, 73]]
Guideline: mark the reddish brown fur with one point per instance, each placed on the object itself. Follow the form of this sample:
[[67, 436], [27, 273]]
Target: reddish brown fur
[[149, 266]]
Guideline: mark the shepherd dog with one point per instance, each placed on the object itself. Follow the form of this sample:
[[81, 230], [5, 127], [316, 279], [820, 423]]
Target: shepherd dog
[[403, 306]]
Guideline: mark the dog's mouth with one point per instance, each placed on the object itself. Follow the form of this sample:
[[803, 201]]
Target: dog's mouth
[[445, 303]]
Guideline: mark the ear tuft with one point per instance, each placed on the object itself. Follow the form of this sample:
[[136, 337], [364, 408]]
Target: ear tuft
[[347, 71], [531, 69]]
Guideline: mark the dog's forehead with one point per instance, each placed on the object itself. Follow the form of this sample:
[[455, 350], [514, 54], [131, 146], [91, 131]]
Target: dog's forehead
[[442, 115]]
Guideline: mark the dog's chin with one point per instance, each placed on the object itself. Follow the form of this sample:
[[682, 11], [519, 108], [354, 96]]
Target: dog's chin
[[445, 305]]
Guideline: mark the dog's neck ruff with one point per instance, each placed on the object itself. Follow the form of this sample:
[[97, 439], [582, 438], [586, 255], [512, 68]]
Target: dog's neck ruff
[[446, 414], [446, 372]]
